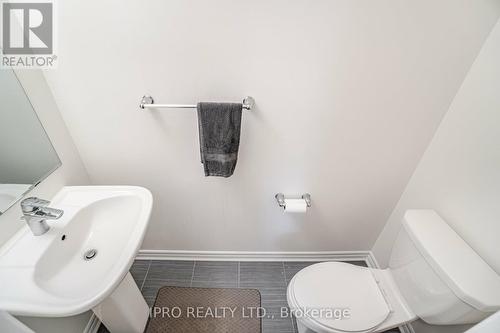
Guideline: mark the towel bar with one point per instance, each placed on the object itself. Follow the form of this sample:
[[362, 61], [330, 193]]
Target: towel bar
[[147, 102]]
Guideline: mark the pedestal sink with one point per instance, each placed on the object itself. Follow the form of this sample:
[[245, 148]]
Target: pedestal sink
[[82, 262]]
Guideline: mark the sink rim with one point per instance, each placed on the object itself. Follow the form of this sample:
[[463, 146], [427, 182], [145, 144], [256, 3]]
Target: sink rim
[[43, 303]]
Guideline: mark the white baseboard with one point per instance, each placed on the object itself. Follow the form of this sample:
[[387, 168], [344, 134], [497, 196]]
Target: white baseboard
[[371, 261], [92, 325], [257, 256]]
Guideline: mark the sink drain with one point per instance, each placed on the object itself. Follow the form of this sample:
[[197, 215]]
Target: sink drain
[[90, 254]]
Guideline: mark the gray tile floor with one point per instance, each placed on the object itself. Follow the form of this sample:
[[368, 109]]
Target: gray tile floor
[[270, 278]]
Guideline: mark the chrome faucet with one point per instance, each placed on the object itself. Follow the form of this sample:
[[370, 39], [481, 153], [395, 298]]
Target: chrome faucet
[[36, 212]]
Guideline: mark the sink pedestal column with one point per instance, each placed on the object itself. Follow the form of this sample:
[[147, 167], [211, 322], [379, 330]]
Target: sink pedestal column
[[125, 310]]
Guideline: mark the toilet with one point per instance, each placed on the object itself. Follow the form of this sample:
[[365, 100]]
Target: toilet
[[433, 275]]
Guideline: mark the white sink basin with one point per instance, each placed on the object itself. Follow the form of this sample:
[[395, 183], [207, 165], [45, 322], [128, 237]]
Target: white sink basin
[[47, 275]]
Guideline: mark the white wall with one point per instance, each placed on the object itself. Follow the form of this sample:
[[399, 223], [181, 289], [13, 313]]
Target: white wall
[[349, 94], [459, 175], [71, 172]]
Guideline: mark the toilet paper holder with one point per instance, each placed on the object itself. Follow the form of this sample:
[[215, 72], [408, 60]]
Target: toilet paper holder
[[280, 198]]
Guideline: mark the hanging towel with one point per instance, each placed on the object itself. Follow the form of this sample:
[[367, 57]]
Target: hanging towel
[[219, 127]]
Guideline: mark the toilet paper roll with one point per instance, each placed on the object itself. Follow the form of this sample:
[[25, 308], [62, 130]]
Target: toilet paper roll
[[295, 206]]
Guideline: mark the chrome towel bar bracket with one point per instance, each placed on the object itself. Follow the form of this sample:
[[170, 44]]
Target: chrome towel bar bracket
[[147, 102]]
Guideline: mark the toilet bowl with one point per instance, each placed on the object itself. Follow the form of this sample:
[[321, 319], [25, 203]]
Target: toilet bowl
[[433, 275]]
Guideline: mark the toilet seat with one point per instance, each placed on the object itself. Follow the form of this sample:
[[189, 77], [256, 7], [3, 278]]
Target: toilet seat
[[338, 286]]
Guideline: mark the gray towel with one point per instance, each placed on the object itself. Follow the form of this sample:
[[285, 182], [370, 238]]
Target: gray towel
[[219, 126]]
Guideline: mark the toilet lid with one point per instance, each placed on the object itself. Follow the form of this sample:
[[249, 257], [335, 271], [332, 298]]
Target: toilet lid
[[347, 295]]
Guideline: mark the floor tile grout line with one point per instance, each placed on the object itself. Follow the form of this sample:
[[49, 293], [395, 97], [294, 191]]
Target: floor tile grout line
[[284, 273], [239, 265], [146, 276], [294, 329], [192, 274]]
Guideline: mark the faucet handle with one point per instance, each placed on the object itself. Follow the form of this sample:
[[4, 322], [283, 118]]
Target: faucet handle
[[29, 204]]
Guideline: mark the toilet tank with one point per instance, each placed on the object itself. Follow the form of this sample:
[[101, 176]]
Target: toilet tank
[[443, 280]]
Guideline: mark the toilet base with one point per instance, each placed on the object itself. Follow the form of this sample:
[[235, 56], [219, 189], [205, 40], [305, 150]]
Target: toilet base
[[303, 329]]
